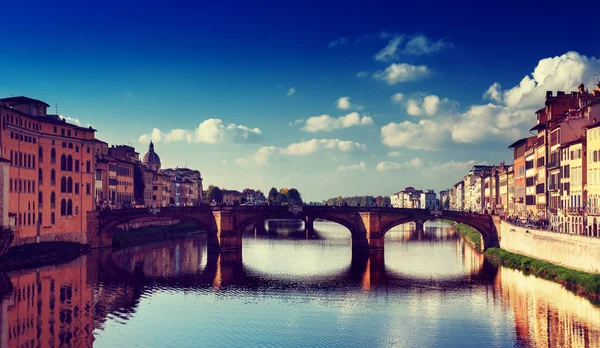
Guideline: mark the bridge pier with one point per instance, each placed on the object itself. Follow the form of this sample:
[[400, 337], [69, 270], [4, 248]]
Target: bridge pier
[[225, 236], [369, 266], [259, 227], [419, 226], [225, 268], [368, 234], [309, 226]]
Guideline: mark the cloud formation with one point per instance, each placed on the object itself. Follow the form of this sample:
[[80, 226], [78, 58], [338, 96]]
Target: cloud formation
[[508, 117], [420, 45], [361, 166], [210, 131], [305, 148], [402, 72], [362, 74], [394, 154], [343, 103], [384, 166], [397, 98], [389, 52], [71, 120], [326, 123], [339, 41], [291, 91]]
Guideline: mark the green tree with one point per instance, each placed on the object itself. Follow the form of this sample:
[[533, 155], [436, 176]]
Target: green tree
[[273, 195], [214, 193], [294, 196], [281, 198]]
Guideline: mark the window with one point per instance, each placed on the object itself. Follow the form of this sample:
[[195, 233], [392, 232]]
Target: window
[[70, 145], [52, 200], [88, 168], [64, 144], [69, 185], [87, 149], [70, 208], [76, 166], [76, 188], [63, 185], [63, 163], [52, 218], [87, 189], [76, 148], [70, 163], [63, 207], [69, 133], [62, 132], [52, 156], [52, 178], [77, 210], [40, 200]]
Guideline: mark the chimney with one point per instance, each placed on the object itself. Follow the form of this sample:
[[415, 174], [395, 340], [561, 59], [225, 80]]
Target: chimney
[[559, 93], [548, 94]]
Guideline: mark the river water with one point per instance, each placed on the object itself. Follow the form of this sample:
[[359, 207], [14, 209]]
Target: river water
[[428, 289]]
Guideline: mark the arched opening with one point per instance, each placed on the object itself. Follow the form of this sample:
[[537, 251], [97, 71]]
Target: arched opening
[[40, 200], [52, 200], [52, 155], [63, 207], [63, 163], [63, 185], [70, 163], [69, 185], [40, 177], [70, 208], [52, 178]]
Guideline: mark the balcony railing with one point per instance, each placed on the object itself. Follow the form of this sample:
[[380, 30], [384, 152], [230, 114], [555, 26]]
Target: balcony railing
[[553, 165], [574, 211], [593, 211]]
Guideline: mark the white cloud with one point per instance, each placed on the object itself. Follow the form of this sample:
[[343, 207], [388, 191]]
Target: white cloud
[[291, 91], [429, 105], [353, 167], [343, 103], [71, 120], [297, 122], [456, 166], [361, 74], [560, 73], [508, 119], [263, 155], [394, 154], [311, 146], [494, 93], [389, 52], [259, 158], [397, 98], [387, 166], [402, 72], [424, 135], [210, 131], [420, 45], [326, 123], [339, 41]]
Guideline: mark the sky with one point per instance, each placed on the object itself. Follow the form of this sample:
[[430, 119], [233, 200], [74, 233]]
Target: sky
[[334, 99]]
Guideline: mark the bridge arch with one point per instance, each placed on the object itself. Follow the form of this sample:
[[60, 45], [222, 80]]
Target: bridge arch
[[107, 228], [247, 221], [483, 224]]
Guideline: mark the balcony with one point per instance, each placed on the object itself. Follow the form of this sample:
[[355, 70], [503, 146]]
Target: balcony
[[553, 187], [593, 211], [574, 211], [553, 165]]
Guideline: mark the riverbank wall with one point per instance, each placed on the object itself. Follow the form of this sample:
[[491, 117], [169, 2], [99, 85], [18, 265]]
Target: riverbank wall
[[567, 250]]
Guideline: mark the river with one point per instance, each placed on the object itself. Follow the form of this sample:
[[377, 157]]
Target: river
[[427, 289]]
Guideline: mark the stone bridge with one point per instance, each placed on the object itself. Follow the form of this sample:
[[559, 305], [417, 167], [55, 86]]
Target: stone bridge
[[224, 225]]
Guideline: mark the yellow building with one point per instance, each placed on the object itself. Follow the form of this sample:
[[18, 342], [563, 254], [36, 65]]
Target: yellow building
[[574, 170], [593, 175]]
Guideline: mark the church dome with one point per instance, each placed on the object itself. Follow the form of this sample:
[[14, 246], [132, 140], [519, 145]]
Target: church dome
[[151, 158]]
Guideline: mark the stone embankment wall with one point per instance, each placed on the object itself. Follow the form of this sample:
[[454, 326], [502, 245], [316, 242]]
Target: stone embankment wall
[[567, 250]]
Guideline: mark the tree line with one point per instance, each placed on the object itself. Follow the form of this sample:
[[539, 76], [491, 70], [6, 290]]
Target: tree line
[[360, 201], [282, 196]]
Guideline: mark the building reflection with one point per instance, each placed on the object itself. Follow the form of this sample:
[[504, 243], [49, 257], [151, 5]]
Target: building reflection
[[547, 314], [49, 307], [64, 305]]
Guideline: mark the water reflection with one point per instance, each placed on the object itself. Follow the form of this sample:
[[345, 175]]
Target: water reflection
[[317, 292]]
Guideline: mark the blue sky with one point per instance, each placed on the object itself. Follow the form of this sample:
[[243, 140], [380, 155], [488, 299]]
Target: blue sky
[[250, 94]]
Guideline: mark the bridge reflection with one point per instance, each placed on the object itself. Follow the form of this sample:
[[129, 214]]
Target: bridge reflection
[[62, 305]]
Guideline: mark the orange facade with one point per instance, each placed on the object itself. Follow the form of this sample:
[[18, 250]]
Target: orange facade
[[51, 172]]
